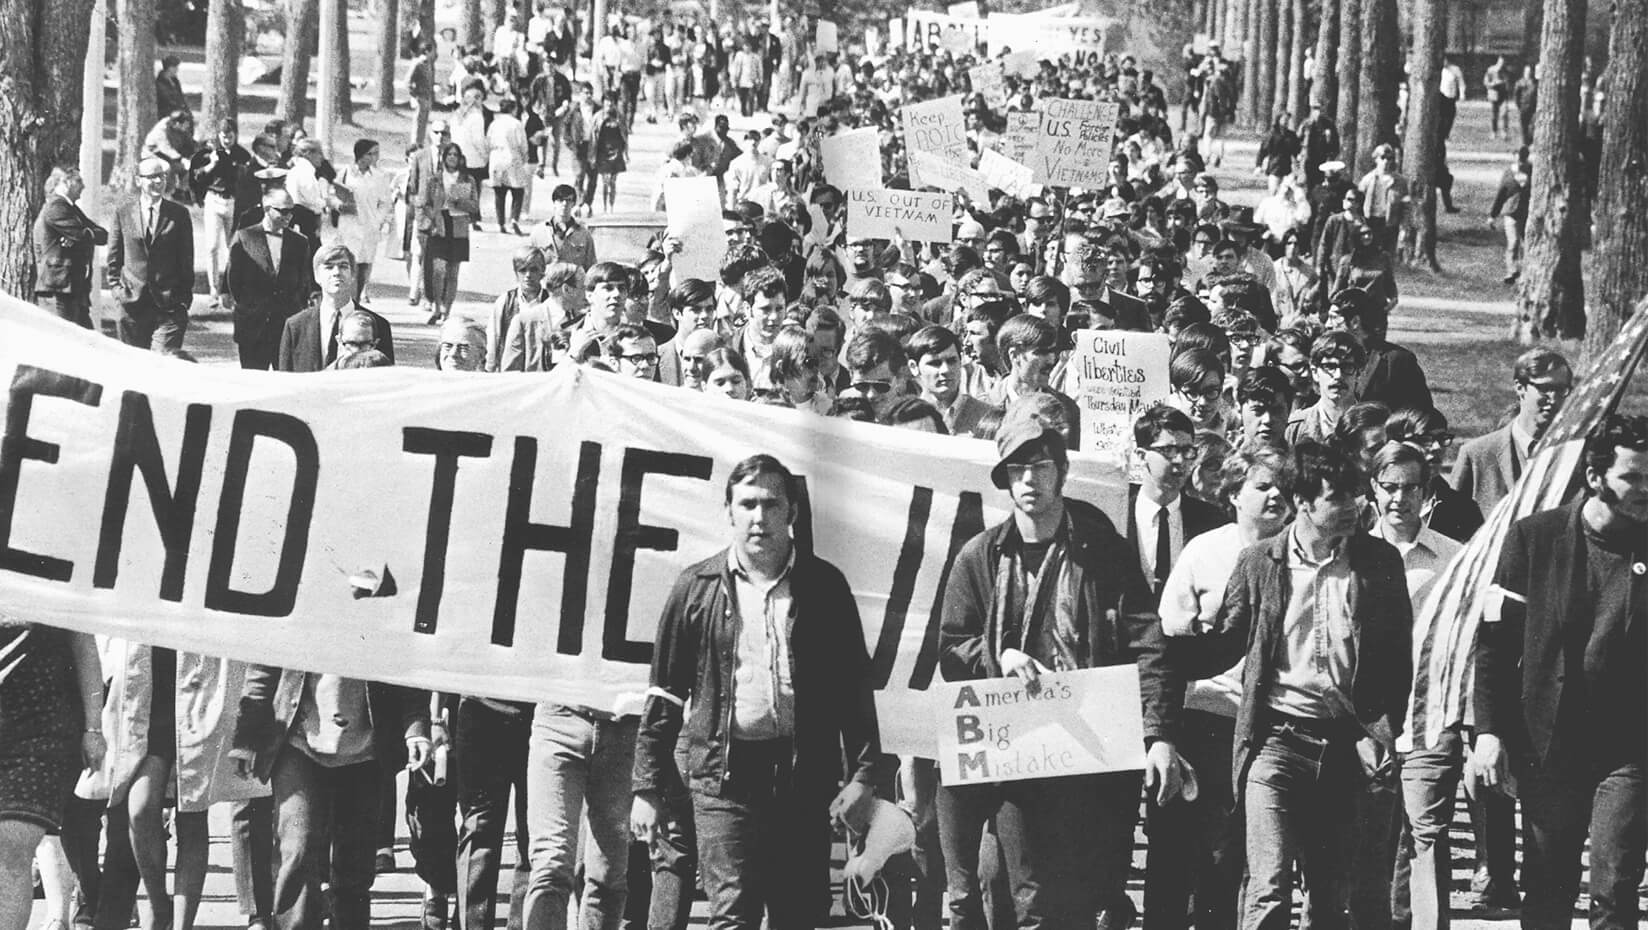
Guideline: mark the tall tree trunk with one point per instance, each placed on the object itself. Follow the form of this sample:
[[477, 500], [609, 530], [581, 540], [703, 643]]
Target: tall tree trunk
[[136, 115], [469, 23], [1350, 77], [41, 77], [495, 10], [1324, 85], [1421, 147], [343, 104], [389, 46], [1279, 66], [301, 26], [1381, 70], [1253, 62], [1619, 271], [225, 34], [1299, 40], [1550, 297], [1533, 21], [1264, 96]]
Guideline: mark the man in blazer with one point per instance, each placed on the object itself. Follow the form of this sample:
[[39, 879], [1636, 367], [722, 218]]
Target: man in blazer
[[1164, 439], [152, 262], [1488, 466], [64, 242], [1322, 615], [270, 279], [1562, 684], [309, 340], [423, 164], [1107, 308]]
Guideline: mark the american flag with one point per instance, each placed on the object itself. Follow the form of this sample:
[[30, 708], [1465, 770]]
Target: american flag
[[1445, 628]]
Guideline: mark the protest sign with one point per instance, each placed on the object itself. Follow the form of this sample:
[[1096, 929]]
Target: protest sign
[[525, 529], [1114, 376], [1023, 132], [1073, 149], [824, 37], [1198, 43], [1083, 38], [929, 170], [988, 83], [1068, 723], [958, 41], [1022, 64], [968, 9], [929, 32], [1006, 175], [895, 32], [693, 206], [938, 127], [914, 215], [852, 160]]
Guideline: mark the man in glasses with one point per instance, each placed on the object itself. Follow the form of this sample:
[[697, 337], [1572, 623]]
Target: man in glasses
[[1039, 222], [1488, 466], [1392, 375], [152, 263], [633, 353], [1335, 359], [1089, 278], [876, 368], [269, 278], [1067, 841], [310, 340]]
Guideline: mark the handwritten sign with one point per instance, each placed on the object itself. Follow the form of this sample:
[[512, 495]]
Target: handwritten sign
[[1073, 149], [989, 83], [693, 206], [1116, 375], [1006, 175], [1069, 723], [931, 32], [967, 9], [1023, 131], [914, 215], [929, 170], [853, 159], [825, 37], [1083, 38], [938, 127]]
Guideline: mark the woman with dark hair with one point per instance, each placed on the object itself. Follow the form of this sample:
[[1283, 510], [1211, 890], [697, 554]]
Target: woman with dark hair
[[822, 279], [1368, 266], [449, 201], [611, 150], [793, 368], [1448, 511], [727, 374]]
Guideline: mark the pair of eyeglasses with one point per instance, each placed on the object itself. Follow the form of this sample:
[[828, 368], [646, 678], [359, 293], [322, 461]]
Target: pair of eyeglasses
[[1207, 394], [1443, 439], [872, 387], [1183, 453], [1333, 365], [642, 358]]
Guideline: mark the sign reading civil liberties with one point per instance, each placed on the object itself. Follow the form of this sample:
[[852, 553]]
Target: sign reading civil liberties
[[1069, 723], [1114, 376], [918, 216]]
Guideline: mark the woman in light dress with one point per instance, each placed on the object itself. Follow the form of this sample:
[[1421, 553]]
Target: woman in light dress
[[373, 194], [507, 165]]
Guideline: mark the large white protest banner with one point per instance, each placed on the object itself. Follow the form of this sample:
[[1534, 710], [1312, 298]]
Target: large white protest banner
[[1115, 376], [530, 526], [852, 160], [1069, 723], [967, 9], [917, 216], [937, 127], [1077, 137], [931, 32], [1083, 38], [693, 206]]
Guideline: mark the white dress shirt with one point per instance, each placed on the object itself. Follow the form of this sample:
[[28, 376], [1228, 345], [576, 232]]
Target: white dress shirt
[[1144, 518]]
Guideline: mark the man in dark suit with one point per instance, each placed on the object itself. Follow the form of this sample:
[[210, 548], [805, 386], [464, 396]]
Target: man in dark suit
[[421, 163], [309, 340], [1562, 685], [1391, 375], [152, 262], [64, 242], [1488, 466], [1106, 307], [269, 278]]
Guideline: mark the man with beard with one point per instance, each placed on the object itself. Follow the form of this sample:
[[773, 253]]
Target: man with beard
[[1488, 466], [1029, 348]]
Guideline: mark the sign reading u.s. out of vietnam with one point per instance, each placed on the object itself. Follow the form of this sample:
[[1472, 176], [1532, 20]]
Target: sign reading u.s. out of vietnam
[[498, 534], [917, 216], [1070, 723]]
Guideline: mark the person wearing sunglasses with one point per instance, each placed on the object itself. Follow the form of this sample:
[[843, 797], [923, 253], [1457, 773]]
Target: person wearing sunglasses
[[876, 368], [152, 263], [268, 279], [1392, 374]]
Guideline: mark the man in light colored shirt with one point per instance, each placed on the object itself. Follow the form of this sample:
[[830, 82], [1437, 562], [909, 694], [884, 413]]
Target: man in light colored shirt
[[747, 172], [561, 237]]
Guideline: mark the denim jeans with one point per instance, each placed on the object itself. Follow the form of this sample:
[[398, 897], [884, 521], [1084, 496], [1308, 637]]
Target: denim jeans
[[1430, 782], [1067, 843], [491, 761], [764, 843], [1300, 798], [663, 879], [319, 810], [578, 765], [1196, 846], [1602, 799]]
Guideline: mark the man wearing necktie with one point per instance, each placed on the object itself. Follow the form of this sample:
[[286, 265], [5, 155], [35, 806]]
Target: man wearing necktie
[[270, 279], [152, 263], [1488, 466], [309, 340]]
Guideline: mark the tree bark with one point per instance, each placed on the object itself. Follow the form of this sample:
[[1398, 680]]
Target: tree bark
[[1619, 273], [469, 23], [343, 104], [41, 77], [1264, 96], [1324, 86], [301, 26], [389, 47], [136, 113], [1551, 291], [1253, 62], [1350, 77], [225, 34], [1421, 147], [1381, 70], [1533, 21], [1298, 37]]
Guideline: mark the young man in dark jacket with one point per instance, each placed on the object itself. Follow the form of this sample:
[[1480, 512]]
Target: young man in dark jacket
[[764, 642]]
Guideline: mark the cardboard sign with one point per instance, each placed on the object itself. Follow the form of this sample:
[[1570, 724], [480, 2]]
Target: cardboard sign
[[1069, 723], [693, 206], [969, 9], [989, 83], [1114, 376], [1023, 130], [1006, 175], [1082, 38], [1073, 149], [928, 170], [937, 127], [914, 215], [852, 160], [930, 32], [825, 37], [1025, 64]]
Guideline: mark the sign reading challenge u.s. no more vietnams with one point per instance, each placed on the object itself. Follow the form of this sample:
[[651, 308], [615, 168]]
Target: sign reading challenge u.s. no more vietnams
[[1074, 145], [1070, 723]]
